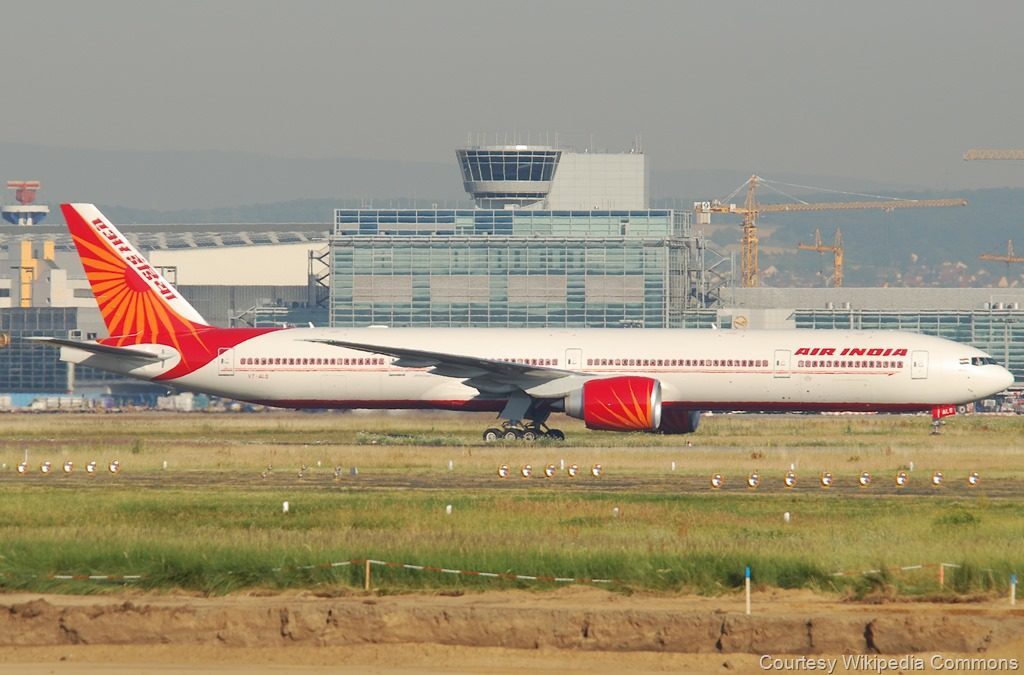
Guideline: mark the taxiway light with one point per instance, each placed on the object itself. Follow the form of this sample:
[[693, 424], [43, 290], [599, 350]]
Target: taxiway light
[[45, 467], [526, 471], [864, 479], [114, 467], [90, 468], [549, 471], [716, 481], [753, 480], [972, 480], [790, 479], [23, 468], [827, 479], [573, 470], [504, 471], [937, 479], [596, 471], [786, 517], [901, 479], [69, 466]]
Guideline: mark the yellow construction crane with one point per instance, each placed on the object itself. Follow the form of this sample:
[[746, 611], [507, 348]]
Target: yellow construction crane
[[836, 249], [1010, 257], [978, 153], [750, 277]]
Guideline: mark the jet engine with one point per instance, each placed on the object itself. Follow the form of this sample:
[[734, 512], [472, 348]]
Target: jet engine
[[617, 404]]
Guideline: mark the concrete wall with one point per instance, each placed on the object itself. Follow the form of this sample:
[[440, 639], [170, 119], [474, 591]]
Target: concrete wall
[[599, 181], [276, 265]]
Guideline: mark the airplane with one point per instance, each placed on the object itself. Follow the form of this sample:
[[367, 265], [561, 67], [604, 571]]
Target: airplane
[[617, 379]]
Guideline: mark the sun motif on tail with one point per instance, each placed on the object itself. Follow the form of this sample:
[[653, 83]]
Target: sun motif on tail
[[138, 305]]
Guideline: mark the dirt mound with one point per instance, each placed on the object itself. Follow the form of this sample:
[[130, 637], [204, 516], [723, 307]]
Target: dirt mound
[[574, 620]]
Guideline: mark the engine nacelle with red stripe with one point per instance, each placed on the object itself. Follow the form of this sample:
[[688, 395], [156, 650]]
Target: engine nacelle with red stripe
[[617, 404]]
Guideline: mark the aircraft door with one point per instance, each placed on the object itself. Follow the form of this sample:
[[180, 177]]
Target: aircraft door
[[919, 365], [573, 358], [225, 361], [780, 368]]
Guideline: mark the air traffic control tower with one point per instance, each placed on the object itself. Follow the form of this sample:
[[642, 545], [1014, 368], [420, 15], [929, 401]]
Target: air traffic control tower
[[541, 177], [508, 176]]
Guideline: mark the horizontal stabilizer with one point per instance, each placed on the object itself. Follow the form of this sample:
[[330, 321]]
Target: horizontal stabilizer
[[97, 348]]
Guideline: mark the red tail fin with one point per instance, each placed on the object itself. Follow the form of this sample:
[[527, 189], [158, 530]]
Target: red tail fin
[[138, 305]]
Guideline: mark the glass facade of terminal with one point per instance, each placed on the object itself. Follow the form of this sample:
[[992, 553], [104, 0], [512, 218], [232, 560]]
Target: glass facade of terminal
[[513, 268], [999, 332], [29, 367], [511, 222]]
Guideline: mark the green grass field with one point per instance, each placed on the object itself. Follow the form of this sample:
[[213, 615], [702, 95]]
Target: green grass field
[[229, 538]]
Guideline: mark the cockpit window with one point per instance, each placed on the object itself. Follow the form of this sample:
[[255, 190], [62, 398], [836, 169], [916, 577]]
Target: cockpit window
[[982, 361]]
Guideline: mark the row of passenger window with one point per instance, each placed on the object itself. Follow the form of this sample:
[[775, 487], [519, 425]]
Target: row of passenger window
[[828, 363], [682, 363], [293, 361], [531, 362]]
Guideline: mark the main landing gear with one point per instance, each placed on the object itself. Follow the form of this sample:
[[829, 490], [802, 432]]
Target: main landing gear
[[523, 419], [530, 431]]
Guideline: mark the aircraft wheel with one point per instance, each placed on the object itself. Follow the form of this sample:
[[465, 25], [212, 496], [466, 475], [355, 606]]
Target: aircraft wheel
[[530, 434], [512, 434], [492, 435], [556, 435]]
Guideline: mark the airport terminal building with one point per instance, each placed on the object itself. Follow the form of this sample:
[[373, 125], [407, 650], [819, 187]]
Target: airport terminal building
[[515, 268], [558, 239]]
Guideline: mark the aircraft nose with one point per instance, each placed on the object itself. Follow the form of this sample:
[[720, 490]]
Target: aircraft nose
[[1004, 378]]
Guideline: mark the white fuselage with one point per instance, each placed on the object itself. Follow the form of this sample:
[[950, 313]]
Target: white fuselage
[[698, 369]]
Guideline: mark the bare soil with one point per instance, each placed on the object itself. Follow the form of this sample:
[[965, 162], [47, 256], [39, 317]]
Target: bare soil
[[571, 630]]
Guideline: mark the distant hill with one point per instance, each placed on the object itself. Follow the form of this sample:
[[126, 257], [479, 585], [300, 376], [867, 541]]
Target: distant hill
[[296, 211], [201, 181], [934, 247], [171, 181]]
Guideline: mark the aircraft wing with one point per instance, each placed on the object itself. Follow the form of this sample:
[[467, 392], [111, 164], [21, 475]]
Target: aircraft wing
[[97, 348], [486, 375]]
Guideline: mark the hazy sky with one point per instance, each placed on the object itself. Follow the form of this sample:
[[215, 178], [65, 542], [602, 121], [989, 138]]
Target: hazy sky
[[894, 91]]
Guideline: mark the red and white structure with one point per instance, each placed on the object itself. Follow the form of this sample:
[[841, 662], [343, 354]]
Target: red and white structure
[[26, 211]]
